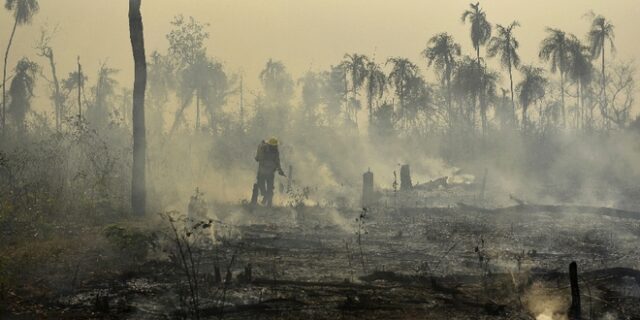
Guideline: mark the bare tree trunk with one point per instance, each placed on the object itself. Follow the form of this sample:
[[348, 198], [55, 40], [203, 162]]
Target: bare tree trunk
[[57, 99], [4, 77], [564, 120], [604, 91], [449, 107], [513, 102], [197, 110], [138, 189], [80, 80]]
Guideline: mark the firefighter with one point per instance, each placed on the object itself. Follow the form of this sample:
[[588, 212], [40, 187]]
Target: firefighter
[[268, 158]]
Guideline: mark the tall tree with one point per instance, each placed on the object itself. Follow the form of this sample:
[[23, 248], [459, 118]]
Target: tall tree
[[213, 90], [21, 92], [161, 78], [23, 11], [488, 88], [580, 71], [442, 52], [311, 94], [480, 27], [554, 49], [74, 81], [99, 112], [333, 92], [506, 45], [467, 84], [278, 87], [277, 82], [602, 31], [138, 185], [402, 72], [205, 80], [376, 85], [356, 67], [45, 50], [186, 50], [531, 89]]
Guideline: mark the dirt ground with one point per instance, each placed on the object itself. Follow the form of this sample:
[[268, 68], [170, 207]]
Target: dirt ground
[[427, 260]]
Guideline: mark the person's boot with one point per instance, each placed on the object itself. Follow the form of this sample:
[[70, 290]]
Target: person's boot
[[254, 195], [269, 200]]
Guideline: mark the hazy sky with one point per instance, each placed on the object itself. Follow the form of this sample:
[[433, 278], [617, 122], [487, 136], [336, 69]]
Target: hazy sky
[[305, 34]]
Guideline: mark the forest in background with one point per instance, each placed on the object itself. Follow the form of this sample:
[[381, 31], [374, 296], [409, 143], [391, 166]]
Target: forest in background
[[563, 131]]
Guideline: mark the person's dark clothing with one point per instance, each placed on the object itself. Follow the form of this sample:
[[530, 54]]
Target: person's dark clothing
[[268, 158]]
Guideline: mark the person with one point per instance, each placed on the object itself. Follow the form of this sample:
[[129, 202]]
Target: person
[[268, 158]]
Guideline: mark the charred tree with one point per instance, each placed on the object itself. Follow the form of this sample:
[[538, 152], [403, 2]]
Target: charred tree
[[367, 189], [138, 190], [574, 310], [405, 178]]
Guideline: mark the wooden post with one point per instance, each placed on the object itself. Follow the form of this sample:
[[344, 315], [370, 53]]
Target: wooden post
[[405, 178], [574, 311], [367, 189]]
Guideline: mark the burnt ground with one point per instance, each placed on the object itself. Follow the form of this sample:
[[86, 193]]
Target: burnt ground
[[389, 262]]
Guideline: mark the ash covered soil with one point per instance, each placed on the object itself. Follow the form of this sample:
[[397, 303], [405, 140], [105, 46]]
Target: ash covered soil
[[457, 261]]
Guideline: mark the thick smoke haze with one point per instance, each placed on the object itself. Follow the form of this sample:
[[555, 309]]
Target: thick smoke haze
[[306, 35], [438, 159]]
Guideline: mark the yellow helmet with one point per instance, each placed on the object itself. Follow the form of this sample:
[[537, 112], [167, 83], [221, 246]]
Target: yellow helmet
[[272, 141]]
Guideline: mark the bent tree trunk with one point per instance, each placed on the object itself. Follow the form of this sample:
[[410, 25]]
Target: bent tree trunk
[[138, 191], [4, 76]]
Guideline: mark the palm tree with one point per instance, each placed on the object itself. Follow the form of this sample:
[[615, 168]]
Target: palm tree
[[531, 89], [480, 27], [506, 45], [311, 94], [402, 71], [333, 91], [75, 81], [442, 51], [23, 11], [488, 88], [355, 65], [213, 90], [161, 78], [601, 31], [98, 113], [198, 81], [376, 85], [554, 48], [21, 91], [138, 185], [580, 71], [467, 84], [276, 82]]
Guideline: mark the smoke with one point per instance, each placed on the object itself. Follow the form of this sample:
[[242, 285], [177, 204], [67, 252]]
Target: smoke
[[544, 304]]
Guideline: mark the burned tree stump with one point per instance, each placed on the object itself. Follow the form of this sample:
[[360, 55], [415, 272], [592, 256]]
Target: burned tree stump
[[368, 196], [574, 310], [101, 303], [246, 276], [405, 178], [217, 275]]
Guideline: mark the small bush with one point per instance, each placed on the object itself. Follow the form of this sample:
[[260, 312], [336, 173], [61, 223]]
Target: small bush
[[131, 241]]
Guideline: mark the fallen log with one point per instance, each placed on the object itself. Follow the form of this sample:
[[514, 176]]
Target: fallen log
[[535, 208], [433, 184]]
